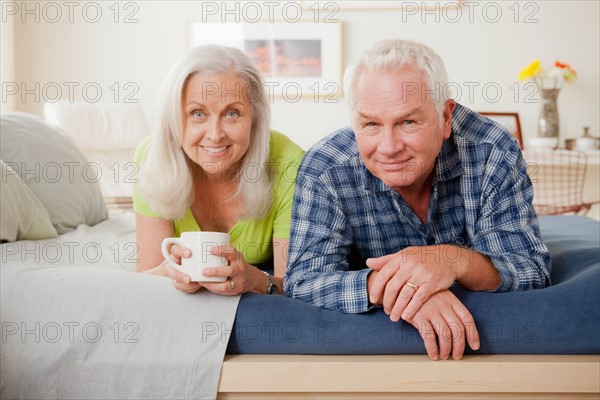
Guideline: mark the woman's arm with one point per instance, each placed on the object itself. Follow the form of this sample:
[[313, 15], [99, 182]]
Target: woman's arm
[[149, 234], [280, 257]]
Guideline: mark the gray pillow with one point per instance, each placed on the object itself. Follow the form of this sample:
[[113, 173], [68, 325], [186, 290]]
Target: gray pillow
[[23, 215], [55, 170]]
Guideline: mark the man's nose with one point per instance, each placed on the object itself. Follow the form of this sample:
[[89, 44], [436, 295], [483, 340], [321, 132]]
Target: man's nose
[[391, 142]]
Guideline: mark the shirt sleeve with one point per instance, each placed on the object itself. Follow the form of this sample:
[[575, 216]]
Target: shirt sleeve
[[507, 230], [320, 241], [284, 195]]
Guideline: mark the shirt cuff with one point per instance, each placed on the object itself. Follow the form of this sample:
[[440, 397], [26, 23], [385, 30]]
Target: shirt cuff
[[357, 300]]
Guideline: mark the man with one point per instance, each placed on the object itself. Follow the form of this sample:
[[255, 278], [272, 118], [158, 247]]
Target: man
[[426, 192]]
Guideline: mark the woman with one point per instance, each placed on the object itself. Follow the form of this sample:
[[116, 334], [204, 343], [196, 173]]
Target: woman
[[215, 166]]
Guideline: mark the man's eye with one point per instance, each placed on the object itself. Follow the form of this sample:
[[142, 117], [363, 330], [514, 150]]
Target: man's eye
[[369, 124], [409, 122]]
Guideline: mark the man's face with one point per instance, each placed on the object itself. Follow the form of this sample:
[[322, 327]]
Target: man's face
[[398, 131]]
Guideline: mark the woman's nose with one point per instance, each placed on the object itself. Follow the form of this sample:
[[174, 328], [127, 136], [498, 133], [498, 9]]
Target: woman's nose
[[215, 131]]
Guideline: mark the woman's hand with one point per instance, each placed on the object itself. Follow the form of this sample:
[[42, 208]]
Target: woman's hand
[[181, 281], [241, 276]]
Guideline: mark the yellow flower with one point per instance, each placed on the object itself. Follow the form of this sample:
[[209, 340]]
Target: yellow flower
[[531, 70], [551, 78]]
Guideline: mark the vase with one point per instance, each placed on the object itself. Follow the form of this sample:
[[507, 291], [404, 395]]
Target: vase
[[548, 123]]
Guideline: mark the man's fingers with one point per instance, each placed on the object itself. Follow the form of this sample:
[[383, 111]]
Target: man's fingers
[[379, 262], [455, 333], [429, 338], [469, 324], [458, 340], [402, 299], [472, 336], [420, 295], [445, 339], [381, 281]]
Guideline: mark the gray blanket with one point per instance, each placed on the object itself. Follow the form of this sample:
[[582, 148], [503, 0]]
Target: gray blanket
[[86, 327]]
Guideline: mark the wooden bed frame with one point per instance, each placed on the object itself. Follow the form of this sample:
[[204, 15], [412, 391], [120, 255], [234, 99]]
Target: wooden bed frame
[[409, 377]]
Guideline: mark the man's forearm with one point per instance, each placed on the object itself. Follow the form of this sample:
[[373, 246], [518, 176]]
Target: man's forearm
[[474, 271]]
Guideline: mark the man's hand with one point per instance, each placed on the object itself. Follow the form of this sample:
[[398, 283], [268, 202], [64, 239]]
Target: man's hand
[[445, 320], [406, 280]]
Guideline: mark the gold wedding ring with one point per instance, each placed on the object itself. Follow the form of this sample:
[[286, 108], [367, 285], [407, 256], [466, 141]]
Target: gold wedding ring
[[231, 284], [412, 285]]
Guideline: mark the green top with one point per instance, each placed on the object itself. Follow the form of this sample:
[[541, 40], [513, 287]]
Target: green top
[[254, 239]]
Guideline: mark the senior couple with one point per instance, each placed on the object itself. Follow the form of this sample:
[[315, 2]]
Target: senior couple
[[418, 195]]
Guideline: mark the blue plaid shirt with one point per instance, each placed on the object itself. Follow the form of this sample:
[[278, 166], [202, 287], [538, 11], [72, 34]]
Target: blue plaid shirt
[[342, 214]]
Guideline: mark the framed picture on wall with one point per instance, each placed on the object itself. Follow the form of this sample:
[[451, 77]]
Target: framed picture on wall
[[300, 60], [379, 5], [509, 120]]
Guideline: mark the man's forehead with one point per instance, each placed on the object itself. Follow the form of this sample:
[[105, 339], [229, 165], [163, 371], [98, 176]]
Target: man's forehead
[[407, 81], [378, 97], [401, 71]]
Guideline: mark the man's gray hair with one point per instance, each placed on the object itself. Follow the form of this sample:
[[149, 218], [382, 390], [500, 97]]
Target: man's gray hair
[[166, 176], [392, 55]]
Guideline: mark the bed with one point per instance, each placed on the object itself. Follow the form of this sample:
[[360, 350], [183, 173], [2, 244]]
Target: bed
[[126, 335]]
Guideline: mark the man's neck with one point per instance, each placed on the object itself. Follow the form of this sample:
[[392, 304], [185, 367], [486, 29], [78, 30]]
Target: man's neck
[[417, 196]]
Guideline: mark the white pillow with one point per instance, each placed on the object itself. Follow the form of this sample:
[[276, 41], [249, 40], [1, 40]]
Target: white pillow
[[107, 134], [55, 170], [23, 215], [99, 126]]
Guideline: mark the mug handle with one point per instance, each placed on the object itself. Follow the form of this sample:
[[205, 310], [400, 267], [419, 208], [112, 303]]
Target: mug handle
[[163, 248]]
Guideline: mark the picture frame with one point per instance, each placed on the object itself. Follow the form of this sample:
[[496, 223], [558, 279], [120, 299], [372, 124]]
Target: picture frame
[[301, 60], [509, 120], [379, 5]]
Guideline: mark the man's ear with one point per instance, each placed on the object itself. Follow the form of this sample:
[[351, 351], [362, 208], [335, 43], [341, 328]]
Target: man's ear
[[449, 107]]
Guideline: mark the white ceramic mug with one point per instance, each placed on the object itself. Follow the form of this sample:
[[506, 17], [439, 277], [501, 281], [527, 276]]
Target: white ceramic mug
[[200, 243]]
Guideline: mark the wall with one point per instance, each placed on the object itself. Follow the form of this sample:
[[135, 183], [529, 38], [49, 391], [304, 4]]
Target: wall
[[62, 48], [7, 66]]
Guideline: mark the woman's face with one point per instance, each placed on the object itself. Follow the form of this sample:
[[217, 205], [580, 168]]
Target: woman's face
[[217, 121]]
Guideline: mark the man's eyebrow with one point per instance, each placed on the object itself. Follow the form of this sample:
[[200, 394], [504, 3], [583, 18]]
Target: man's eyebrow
[[365, 115], [416, 110]]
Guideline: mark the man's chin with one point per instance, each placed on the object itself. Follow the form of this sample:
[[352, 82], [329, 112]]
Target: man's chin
[[398, 179]]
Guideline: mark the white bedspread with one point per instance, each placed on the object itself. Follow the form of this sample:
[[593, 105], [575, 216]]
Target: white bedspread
[[78, 323]]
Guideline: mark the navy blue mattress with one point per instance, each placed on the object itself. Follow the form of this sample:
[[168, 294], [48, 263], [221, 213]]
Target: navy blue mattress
[[561, 319]]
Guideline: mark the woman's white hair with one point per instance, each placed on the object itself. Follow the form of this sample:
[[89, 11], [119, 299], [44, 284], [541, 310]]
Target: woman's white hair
[[392, 55], [166, 176]]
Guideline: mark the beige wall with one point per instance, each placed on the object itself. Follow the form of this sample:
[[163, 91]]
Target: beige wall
[[7, 66], [134, 57]]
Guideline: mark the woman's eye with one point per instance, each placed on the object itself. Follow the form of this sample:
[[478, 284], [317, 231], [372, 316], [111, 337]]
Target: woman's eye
[[233, 114], [198, 114]]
